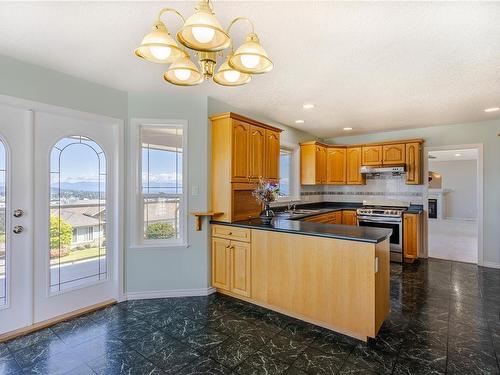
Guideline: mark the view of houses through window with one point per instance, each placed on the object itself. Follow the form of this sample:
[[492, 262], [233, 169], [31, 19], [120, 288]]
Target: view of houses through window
[[77, 213], [161, 164]]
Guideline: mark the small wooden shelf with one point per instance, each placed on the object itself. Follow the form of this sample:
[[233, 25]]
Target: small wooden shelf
[[199, 215]]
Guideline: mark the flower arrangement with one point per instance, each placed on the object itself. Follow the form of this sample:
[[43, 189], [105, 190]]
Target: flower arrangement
[[266, 192]]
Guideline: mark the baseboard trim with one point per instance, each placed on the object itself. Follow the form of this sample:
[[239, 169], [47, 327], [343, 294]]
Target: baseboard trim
[[171, 293], [491, 264], [50, 322]]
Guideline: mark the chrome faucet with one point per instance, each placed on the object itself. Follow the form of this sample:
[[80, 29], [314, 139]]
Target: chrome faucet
[[291, 206]]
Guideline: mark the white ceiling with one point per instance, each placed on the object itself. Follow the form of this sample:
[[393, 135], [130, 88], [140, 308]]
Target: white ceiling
[[453, 155], [368, 65]]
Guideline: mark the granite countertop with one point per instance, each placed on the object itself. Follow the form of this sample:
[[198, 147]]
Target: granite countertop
[[337, 231]]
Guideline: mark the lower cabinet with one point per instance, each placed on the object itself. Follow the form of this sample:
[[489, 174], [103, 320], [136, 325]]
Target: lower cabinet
[[349, 217], [231, 262], [328, 218], [411, 236]]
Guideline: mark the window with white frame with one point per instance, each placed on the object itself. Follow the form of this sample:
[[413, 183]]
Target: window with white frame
[[161, 185], [289, 166]]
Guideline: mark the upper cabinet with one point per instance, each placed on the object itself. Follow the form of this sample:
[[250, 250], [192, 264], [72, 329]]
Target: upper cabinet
[[243, 150], [393, 154], [240, 151], [372, 155], [336, 166], [312, 163], [257, 150], [353, 166], [342, 163], [413, 159], [272, 153]]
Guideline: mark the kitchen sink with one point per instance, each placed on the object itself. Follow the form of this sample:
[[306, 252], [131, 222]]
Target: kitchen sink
[[304, 211]]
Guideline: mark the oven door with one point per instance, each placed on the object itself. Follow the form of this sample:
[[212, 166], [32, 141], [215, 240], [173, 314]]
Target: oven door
[[396, 239]]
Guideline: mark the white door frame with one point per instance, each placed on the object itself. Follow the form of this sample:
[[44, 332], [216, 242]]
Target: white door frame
[[119, 209], [480, 210]]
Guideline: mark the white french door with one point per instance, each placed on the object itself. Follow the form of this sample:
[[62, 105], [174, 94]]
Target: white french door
[[63, 171], [16, 218]]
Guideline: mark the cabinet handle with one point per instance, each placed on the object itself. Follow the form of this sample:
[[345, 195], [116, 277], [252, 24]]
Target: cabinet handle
[[230, 233]]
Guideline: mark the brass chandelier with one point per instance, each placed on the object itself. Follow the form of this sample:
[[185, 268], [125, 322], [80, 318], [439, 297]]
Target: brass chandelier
[[203, 34]]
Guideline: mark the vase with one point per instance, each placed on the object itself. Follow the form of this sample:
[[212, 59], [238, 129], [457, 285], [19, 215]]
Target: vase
[[266, 215]]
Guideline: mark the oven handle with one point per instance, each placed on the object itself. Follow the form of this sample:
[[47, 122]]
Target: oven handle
[[385, 220]]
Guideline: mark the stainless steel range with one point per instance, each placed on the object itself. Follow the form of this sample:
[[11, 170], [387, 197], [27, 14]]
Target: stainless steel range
[[386, 214]]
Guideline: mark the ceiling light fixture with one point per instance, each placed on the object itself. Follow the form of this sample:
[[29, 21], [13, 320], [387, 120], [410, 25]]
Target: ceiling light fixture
[[492, 109], [308, 106], [457, 155], [204, 35], [347, 129], [299, 121]]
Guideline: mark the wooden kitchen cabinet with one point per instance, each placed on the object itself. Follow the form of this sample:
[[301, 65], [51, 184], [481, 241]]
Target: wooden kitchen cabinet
[[372, 155], [272, 155], [243, 150], [353, 165], [221, 263], [326, 218], [393, 154], [411, 236], [257, 149], [231, 260], [240, 154], [413, 157], [349, 217], [336, 165], [312, 163]]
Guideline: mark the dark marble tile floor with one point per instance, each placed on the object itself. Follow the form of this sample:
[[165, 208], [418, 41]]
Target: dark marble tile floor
[[445, 319]]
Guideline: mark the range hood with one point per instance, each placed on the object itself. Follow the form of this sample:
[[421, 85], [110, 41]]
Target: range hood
[[394, 170]]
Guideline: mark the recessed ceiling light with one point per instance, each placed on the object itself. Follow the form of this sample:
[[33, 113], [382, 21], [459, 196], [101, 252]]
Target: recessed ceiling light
[[347, 129], [492, 109], [457, 155], [308, 106], [299, 121]]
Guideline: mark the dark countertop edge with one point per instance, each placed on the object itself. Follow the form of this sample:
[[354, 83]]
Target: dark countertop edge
[[336, 206], [313, 234]]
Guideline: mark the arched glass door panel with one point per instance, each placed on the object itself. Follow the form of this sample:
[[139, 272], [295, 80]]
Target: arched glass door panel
[[77, 232]]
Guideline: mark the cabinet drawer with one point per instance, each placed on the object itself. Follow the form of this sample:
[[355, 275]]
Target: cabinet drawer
[[231, 233]]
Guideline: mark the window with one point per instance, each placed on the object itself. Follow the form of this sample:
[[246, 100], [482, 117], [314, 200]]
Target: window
[[77, 203], [3, 216], [289, 172], [162, 184]]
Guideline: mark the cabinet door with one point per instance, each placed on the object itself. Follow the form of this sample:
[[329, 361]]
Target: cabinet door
[[411, 236], [239, 157], [272, 155], [413, 164], [353, 164], [308, 164], [349, 218], [221, 263], [393, 154], [338, 217], [336, 166], [240, 268], [372, 155], [320, 165], [256, 152]]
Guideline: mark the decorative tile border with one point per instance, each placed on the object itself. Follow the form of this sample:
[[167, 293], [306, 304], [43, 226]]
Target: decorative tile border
[[380, 193]]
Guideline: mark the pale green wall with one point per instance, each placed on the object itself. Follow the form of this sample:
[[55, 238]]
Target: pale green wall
[[481, 132], [32, 82], [178, 267]]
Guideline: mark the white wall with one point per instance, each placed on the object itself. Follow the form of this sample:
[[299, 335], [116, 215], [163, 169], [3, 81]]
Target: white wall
[[459, 180]]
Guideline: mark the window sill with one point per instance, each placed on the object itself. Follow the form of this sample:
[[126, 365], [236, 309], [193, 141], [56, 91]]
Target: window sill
[[165, 246]]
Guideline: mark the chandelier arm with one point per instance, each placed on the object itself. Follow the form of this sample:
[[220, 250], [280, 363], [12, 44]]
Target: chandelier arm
[[165, 10], [240, 19]]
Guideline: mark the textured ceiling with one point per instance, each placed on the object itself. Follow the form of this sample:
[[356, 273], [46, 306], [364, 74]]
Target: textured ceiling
[[371, 66], [453, 155]]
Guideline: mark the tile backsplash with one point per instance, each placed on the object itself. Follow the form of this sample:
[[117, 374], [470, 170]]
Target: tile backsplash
[[386, 186]]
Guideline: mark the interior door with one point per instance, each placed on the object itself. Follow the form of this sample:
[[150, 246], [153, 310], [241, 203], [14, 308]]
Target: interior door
[[16, 214], [76, 207]]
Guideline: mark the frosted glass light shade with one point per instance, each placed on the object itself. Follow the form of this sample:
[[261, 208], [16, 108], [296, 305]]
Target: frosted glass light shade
[[158, 46], [250, 57], [227, 76], [183, 72]]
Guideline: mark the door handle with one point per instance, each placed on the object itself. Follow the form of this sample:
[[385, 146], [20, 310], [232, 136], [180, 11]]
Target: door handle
[[18, 229], [18, 213]]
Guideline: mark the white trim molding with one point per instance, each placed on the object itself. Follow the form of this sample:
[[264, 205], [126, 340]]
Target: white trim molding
[[171, 293], [480, 201], [491, 264]]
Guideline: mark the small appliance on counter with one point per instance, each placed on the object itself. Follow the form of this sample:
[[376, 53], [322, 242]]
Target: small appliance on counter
[[385, 213]]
